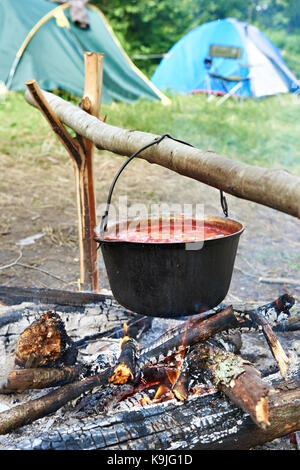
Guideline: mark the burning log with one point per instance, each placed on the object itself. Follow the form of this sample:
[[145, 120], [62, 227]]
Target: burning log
[[181, 387], [36, 409], [203, 326], [107, 398], [205, 422], [198, 329], [229, 341], [125, 369], [45, 343], [21, 415], [238, 379], [25, 379]]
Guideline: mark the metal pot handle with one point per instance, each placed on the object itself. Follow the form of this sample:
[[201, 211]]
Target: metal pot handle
[[104, 220]]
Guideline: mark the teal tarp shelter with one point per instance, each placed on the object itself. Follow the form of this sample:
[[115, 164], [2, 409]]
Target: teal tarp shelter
[[38, 40]]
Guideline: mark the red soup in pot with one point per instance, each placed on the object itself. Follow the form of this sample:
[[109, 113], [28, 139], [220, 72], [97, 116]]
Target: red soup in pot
[[167, 231]]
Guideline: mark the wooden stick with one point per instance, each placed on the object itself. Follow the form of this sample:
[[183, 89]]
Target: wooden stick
[[77, 152], [271, 187], [236, 378], [41, 102], [125, 369], [273, 342], [189, 333], [262, 316], [279, 280], [35, 409], [25, 379], [91, 103]]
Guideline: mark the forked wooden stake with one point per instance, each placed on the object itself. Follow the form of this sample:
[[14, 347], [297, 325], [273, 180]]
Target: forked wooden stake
[[91, 103], [81, 152]]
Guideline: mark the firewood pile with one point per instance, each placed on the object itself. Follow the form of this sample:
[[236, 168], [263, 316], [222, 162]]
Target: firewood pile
[[84, 375]]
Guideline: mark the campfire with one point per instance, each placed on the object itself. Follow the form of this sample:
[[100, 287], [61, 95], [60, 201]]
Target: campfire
[[84, 373]]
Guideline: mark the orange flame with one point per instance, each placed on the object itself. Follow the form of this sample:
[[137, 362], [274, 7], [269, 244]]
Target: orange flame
[[179, 358], [203, 389], [197, 390], [126, 336], [163, 393]]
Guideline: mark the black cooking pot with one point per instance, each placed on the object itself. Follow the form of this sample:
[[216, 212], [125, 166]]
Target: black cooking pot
[[169, 279]]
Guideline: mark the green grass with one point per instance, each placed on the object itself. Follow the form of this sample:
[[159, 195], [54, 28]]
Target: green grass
[[264, 133]]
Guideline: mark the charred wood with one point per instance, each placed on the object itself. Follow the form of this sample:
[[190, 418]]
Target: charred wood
[[273, 342], [59, 297], [190, 332], [203, 326], [25, 379], [125, 369], [35, 409], [137, 324], [272, 314], [285, 326], [45, 343], [203, 422], [238, 379], [107, 398]]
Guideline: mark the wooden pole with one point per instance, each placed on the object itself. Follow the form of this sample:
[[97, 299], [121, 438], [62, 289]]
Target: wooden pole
[[91, 103], [274, 188], [82, 161]]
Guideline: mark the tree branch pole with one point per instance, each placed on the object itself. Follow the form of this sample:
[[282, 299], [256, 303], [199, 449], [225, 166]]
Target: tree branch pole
[[91, 103], [81, 153], [277, 189]]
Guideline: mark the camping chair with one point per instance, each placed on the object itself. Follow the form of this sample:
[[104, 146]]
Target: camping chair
[[226, 52]]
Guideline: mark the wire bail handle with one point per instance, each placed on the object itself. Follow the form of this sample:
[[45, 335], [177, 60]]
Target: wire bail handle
[[104, 220]]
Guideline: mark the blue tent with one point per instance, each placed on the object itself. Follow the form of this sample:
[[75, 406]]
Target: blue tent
[[223, 54]]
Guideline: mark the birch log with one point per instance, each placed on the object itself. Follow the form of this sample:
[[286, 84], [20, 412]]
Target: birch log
[[277, 189]]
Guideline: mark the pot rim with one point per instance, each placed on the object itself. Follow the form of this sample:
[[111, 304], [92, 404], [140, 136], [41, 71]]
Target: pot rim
[[209, 218]]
